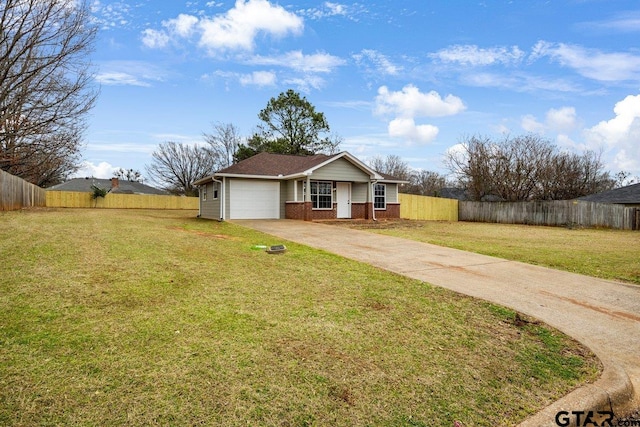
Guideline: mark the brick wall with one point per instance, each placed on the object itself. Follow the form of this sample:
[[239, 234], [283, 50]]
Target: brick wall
[[324, 214], [294, 210], [392, 212], [359, 210]]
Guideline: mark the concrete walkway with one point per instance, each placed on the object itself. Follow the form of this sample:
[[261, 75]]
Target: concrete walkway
[[603, 315]]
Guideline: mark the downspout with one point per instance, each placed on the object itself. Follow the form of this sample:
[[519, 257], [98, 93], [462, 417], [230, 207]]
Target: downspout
[[199, 203], [373, 199]]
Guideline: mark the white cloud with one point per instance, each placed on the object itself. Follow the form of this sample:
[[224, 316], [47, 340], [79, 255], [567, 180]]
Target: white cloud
[[331, 9], [154, 39], [238, 28], [410, 102], [306, 83], [474, 56], [235, 30], [617, 129], [101, 170], [626, 22], [406, 128], [590, 63], [336, 8], [562, 120], [183, 26], [380, 63], [129, 73], [111, 16], [564, 141], [519, 82], [259, 78], [531, 124], [620, 134], [316, 63], [116, 78]]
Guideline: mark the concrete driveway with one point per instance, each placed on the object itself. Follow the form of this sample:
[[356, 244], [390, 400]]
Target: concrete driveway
[[603, 315]]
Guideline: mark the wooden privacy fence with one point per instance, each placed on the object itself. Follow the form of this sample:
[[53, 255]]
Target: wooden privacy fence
[[16, 193], [553, 213], [73, 199], [427, 208]]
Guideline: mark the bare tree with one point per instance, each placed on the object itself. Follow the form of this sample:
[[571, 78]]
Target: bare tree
[[333, 143], [571, 175], [176, 167], [392, 165], [223, 143], [422, 182], [525, 168], [473, 166], [624, 178], [427, 183], [128, 175], [45, 86]]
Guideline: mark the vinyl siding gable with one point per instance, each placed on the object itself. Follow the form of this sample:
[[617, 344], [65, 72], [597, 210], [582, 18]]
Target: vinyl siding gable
[[340, 170]]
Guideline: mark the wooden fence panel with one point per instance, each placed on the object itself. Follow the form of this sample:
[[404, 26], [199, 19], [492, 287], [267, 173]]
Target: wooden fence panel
[[552, 213], [16, 193], [73, 199], [427, 208]]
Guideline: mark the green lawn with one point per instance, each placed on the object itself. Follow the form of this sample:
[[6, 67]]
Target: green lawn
[[604, 253], [136, 317]]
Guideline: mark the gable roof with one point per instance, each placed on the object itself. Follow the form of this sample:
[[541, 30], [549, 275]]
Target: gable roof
[[274, 165], [123, 187], [623, 195], [286, 166]]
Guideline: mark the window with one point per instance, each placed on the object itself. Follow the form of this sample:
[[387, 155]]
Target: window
[[215, 191], [204, 193], [380, 196], [321, 195]]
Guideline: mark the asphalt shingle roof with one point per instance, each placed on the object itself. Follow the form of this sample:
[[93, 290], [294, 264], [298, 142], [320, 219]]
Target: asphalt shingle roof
[[270, 164], [623, 195], [274, 165], [124, 187]]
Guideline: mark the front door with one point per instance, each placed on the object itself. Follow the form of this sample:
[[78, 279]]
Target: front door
[[343, 199]]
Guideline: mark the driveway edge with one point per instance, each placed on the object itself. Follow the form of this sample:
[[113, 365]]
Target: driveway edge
[[613, 391], [607, 310]]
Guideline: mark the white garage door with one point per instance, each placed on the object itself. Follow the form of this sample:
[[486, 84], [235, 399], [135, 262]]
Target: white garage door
[[254, 199]]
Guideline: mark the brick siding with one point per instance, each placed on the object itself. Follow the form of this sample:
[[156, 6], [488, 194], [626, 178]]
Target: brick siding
[[296, 210]]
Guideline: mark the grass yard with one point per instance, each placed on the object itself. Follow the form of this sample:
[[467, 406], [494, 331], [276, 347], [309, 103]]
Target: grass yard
[[136, 317], [604, 253]]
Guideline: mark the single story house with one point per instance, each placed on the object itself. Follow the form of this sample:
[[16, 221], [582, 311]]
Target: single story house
[[276, 186], [628, 196], [113, 185]]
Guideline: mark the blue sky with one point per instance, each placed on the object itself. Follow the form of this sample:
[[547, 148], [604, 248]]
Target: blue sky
[[410, 78]]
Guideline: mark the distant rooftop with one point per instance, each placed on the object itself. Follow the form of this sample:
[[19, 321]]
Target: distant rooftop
[[623, 195], [114, 185]]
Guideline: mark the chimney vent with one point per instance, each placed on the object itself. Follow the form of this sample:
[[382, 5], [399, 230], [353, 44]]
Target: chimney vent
[[114, 183]]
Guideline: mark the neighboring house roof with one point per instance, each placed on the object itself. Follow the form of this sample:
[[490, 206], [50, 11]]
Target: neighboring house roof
[[285, 166], [623, 195], [455, 193], [114, 185]]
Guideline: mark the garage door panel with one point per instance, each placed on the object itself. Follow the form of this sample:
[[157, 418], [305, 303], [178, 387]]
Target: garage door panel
[[254, 199]]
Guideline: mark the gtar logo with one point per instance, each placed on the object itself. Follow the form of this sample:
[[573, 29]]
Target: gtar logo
[[584, 418]]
